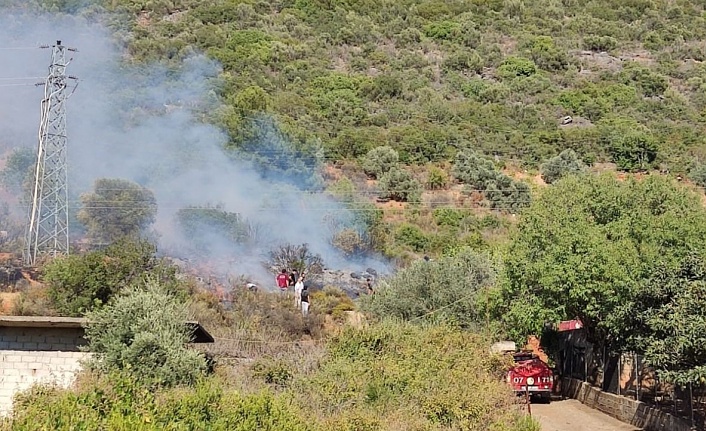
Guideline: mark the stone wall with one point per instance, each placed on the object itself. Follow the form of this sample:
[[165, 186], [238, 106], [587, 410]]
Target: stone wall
[[622, 408], [37, 355]]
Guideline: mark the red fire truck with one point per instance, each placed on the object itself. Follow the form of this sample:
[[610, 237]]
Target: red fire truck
[[531, 373]]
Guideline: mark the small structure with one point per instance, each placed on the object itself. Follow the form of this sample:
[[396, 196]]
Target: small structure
[[44, 349]]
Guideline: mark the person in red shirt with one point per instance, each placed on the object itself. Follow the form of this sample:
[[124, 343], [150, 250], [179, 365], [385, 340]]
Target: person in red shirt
[[282, 280]]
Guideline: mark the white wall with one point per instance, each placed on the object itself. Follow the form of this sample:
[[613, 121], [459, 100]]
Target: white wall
[[37, 355]]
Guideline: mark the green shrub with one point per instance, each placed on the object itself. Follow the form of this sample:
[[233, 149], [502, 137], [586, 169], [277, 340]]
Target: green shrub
[[332, 301], [412, 236], [631, 145], [473, 169], [464, 61], [513, 67], [651, 83], [635, 151], [450, 285], [121, 403], [566, 163], [18, 170], [436, 178], [143, 332], [448, 216], [442, 30], [599, 43], [507, 195], [500, 191], [697, 174], [386, 87], [379, 161], [79, 283], [203, 224], [272, 372], [546, 54], [398, 184]]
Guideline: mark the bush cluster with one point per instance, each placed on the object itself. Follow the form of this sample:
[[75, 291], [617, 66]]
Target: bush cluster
[[479, 174]]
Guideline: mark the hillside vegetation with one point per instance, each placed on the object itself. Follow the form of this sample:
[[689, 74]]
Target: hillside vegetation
[[430, 77], [443, 126]]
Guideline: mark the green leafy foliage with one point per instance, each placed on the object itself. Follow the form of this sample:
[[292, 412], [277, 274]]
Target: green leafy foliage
[[400, 185], [473, 169], [513, 67], [417, 377], [697, 174], [447, 289], [353, 76], [664, 322], [79, 283], [566, 163], [501, 191], [143, 332], [379, 161], [436, 179], [117, 208], [373, 378], [651, 83], [545, 53], [412, 236], [121, 402], [610, 253], [631, 146], [600, 43]]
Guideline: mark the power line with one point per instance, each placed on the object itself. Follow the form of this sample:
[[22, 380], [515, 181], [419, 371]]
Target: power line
[[17, 48], [19, 85], [465, 298], [23, 78]]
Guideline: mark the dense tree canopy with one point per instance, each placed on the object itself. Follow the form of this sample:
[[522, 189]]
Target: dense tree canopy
[[620, 256]]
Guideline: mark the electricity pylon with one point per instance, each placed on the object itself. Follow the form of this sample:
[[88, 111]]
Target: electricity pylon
[[48, 228]]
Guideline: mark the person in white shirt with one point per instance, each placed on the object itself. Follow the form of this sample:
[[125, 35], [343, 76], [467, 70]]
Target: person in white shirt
[[298, 287]]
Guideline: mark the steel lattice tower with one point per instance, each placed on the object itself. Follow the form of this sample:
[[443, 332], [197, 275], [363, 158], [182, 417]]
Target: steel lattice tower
[[48, 228]]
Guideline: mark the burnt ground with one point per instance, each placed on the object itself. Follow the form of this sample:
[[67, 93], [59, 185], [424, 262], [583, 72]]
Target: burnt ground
[[571, 415]]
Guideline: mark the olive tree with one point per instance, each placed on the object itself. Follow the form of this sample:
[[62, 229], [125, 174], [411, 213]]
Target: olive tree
[[144, 333], [399, 185], [117, 208], [379, 161], [566, 163]]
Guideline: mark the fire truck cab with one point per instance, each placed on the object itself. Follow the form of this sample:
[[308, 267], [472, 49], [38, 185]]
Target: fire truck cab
[[531, 374]]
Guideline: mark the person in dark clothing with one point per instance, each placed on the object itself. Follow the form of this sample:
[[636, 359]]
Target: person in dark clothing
[[293, 277], [305, 301], [369, 284]]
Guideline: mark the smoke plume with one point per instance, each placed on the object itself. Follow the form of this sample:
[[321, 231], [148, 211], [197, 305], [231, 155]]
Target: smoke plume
[[144, 123]]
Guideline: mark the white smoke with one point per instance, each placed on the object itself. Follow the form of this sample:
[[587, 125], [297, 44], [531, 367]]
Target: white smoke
[[142, 123]]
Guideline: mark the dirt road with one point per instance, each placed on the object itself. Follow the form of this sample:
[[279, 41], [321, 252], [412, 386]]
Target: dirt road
[[571, 415]]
